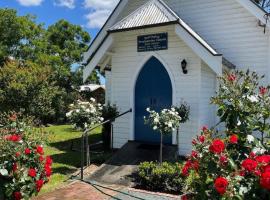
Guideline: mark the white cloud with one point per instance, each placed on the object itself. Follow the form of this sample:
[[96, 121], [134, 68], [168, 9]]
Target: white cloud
[[30, 2], [65, 3], [99, 11], [100, 4]]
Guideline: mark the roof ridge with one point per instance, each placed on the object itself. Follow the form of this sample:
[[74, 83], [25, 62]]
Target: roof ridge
[[159, 4]]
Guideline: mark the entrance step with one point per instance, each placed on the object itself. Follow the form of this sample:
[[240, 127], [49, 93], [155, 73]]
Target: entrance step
[[119, 169]]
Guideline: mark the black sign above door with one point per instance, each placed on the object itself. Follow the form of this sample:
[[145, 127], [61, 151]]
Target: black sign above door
[[153, 42]]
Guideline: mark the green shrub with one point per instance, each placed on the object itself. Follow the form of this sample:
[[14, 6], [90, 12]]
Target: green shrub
[[163, 178]]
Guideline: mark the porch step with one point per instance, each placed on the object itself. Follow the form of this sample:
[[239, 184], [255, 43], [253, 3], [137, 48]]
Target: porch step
[[119, 169]]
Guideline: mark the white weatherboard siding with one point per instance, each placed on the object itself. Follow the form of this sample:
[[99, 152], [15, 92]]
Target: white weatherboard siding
[[227, 26], [126, 63], [108, 86], [208, 88]]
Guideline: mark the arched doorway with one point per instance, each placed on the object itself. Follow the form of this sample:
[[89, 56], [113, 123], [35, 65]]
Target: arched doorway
[[154, 90]]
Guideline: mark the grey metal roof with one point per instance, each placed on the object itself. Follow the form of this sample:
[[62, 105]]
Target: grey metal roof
[[153, 12]]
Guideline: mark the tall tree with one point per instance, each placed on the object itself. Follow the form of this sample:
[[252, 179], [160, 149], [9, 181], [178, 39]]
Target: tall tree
[[265, 4], [58, 49]]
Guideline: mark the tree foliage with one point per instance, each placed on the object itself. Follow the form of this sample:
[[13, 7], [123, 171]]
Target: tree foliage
[[53, 52], [265, 4]]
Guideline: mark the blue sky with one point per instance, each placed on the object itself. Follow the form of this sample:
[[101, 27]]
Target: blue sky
[[90, 14]]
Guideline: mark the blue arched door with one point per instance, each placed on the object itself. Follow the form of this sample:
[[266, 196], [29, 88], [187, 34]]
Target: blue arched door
[[153, 89]]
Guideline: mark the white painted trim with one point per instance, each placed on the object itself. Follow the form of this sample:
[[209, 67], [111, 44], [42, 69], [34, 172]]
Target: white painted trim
[[96, 59], [133, 86], [254, 10], [103, 32], [214, 62]]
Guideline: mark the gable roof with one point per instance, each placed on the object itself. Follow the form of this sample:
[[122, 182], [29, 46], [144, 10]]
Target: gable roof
[[250, 5], [153, 12]]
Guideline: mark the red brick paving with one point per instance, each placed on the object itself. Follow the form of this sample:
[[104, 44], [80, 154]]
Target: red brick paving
[[77, 191]]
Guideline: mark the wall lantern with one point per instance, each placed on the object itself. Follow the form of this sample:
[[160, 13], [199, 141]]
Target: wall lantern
[[184, 66]]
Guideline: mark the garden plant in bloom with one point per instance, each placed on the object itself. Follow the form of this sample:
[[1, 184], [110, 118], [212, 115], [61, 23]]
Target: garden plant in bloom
[[165, 122], [24, 168], [233, 164], [85, 114]]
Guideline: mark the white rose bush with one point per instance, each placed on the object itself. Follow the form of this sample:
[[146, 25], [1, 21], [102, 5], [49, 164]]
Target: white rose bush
[[85, 114], [165, 122]]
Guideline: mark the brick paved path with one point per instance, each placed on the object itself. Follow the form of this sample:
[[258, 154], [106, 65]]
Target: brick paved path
[[84, 191], [77, 191]]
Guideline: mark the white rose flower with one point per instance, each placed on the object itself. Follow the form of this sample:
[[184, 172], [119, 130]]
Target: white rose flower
[[69, 114], [156, 120], [155, 127], [92, 99], [148, 109], [258, 150], [170, 124], [253, 98], [250, 138]]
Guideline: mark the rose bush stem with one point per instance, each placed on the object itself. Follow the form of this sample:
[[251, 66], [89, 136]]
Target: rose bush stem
[[161, 147]]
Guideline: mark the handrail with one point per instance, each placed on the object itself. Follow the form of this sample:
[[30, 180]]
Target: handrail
[[84, 140]]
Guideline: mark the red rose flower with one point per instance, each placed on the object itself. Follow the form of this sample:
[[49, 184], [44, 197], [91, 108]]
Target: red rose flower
[[195, 165], [205, 129], [234, 139], [17, 154], [266, 168], [39, 184], [41, 158], [194, 142], [264, 159], [32, 172], [252, 155], [217, 146], [257, 173], [249, 165], [49, 160], [40, 150], [27, 151], [242, 173], [185, 171], [13, 138], [221, 185], [194, 154], [265, 180], [263, 91], [231, 77], [48, 170], [223, 160], [17, 195], [14, 167], [201, 138], [184, 197]]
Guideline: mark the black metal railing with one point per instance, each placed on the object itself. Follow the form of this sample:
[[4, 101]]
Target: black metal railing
[[85, 142]]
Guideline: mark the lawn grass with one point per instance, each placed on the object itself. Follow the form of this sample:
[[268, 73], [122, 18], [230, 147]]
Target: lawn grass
[[65, 160]]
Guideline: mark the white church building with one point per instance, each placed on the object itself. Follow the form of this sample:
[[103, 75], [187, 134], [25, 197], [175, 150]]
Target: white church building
[[156, 53]]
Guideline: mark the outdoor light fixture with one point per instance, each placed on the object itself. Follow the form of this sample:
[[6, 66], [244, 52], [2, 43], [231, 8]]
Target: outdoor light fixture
[[184, 66]]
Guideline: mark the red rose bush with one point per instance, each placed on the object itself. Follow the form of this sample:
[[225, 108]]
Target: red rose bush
[[24, 168], [233, 163], [218, 171]]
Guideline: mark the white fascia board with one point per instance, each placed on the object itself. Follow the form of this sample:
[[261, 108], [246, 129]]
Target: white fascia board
[[103, 32], [98, 56], [254, 10], [213, 61]]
